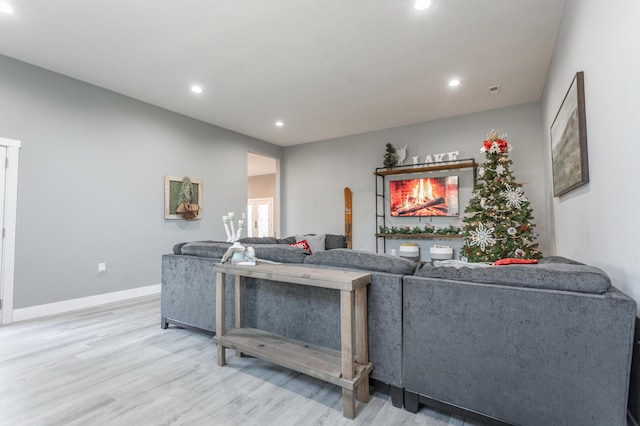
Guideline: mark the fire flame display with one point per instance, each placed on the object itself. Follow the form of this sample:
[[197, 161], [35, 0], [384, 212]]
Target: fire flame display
[[424, 197]]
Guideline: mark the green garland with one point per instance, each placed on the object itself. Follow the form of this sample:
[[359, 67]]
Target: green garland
[[427, 229]]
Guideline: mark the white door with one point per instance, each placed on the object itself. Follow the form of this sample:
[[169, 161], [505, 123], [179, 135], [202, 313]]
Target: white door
[[9, 153], [260, 217], [3, 180]]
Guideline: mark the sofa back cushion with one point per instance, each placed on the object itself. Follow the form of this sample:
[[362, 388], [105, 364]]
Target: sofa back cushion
[[248, 241], [177, 248], [282, 253], [273, 252], [331, 241], [549, 276], [355, 259], [205, 249]]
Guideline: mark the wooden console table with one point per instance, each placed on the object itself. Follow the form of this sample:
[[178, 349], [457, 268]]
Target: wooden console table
[[341, 368]]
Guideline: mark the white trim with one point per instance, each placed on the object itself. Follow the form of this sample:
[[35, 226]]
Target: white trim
[[10, 207], [10, 143], [32, 312]]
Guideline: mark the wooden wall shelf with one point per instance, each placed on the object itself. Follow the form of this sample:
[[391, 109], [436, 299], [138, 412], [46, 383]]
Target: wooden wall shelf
[[381, 206], [426, 167]]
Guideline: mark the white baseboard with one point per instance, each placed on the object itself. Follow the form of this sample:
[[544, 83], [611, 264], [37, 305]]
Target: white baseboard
[[82, 303]]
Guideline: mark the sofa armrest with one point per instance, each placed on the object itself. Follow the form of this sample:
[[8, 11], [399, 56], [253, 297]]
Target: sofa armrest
[[525, 355]]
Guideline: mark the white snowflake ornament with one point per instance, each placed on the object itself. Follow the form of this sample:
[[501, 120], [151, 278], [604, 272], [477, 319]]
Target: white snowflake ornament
[[514, 197], [482, 237], [499, 169]]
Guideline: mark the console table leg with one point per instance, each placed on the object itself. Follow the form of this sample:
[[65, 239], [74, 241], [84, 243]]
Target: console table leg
[[346, 337], [239, 312], [220, 329], [346, 333], [348, 404], [362, 344]]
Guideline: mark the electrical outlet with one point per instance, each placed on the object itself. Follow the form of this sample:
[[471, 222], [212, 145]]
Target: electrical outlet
[[102, 267]]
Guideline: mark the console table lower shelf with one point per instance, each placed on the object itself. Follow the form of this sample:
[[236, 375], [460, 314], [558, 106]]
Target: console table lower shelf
[[315, 361], [347, 368]]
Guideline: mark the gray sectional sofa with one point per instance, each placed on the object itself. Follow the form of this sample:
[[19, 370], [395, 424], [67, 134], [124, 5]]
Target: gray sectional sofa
[[545, 344]]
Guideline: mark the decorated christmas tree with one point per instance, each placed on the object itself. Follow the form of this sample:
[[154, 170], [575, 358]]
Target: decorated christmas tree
[[498, 218]]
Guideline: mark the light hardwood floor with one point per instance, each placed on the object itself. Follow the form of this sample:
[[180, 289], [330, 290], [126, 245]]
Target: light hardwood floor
[[114, 365]]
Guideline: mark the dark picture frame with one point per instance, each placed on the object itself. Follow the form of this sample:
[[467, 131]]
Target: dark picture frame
[[569, 160]]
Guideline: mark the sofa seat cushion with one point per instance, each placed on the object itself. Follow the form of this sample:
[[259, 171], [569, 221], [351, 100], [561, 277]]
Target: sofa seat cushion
[[355, 259], [549, 276]]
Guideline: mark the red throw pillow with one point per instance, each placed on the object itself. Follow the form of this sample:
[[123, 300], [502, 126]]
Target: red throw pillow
[[302, 244], [511, 260]]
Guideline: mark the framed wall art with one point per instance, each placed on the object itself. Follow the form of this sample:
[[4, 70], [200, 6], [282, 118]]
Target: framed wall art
[[172, 187], [569, 159]]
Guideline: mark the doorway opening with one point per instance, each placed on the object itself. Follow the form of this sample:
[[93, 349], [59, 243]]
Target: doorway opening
[[262, 196]]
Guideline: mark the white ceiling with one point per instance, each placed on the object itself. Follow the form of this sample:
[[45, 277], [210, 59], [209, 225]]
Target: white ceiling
[[326, 68]]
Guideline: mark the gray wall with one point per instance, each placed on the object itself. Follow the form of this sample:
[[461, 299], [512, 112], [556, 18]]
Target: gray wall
[[315, 174], [597, 222], [91, 183]]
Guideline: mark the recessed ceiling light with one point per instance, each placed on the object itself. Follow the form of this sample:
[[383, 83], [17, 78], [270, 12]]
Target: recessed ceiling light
[[196, 89], [422, 4], [279, 123], [454, 82], [6, 9]]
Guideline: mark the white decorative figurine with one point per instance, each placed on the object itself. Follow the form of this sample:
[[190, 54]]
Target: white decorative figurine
[[402, 154], [232, 234]]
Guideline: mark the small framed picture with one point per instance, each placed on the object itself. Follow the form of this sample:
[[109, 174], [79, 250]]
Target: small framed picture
[[172, 185]]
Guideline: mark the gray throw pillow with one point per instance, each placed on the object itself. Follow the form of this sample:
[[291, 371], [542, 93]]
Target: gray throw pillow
[[335, 241], [316, 242]]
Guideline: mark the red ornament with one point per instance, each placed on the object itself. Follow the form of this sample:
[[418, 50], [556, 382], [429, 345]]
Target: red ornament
[[503, 145]]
